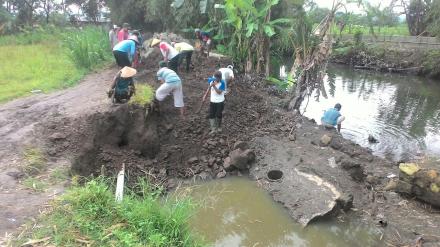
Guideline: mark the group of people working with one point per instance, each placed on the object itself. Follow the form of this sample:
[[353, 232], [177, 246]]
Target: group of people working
[[125, 46]]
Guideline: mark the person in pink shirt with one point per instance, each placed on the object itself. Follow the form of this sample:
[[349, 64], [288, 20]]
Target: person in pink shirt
[[123, 33]]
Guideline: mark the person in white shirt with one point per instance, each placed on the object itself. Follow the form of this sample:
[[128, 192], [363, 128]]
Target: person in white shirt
[[217, 102], [169, 54], [228, 76], [113, 36]]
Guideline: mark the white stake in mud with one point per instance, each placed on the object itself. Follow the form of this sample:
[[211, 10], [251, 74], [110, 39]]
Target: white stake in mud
[[120, 184]]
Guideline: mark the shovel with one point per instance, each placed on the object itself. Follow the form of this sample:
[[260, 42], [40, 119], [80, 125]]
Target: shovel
[[203, 101]]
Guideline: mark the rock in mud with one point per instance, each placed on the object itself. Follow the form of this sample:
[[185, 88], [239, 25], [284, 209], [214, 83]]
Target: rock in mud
[[241, 145], [193, 160], [372, 139], [345, 201], [336, 143], [421, 182], [57, 136], [355, 169], [242, 159], [221, 174], [325, 140]]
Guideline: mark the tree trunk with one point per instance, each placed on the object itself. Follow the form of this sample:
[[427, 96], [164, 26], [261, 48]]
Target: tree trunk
[[267, 58]]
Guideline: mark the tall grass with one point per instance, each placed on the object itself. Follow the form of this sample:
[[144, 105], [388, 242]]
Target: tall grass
[[87, 47], [45, 59], [89, 215]]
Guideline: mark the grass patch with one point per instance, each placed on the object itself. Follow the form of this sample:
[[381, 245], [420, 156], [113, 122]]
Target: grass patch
[[49, 59], [35, 67], [58, 175], [35, 162], [35, 184], [144, 95], [89, 215]]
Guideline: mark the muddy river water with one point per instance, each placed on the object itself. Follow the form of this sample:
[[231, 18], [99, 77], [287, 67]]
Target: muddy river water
[[401, 112], [236, 212]]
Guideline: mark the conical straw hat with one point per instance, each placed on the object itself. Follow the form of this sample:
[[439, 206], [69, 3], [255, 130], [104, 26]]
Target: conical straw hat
[[155, 42], [127, 72]]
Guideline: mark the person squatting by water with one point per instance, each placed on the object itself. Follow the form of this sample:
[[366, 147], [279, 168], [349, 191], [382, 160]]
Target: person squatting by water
[[125, 51], [217, 86], [185, 52], [332, 117], [169, 54], [171, 83]]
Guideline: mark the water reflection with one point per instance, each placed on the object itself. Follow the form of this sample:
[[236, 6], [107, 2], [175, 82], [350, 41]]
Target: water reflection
[[402, 112], [235, 212]]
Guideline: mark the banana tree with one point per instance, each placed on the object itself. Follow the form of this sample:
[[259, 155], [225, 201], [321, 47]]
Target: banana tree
[[312, 50], [252, 30]]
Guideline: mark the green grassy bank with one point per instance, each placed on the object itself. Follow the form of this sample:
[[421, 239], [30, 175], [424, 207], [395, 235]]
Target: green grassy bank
[[89, 216], [49, 59]]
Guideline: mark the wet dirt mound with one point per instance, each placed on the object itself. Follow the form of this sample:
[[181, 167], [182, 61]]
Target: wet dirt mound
[[125, 127]]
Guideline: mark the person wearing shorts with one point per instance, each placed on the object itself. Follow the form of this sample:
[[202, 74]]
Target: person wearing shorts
[[171, 84]]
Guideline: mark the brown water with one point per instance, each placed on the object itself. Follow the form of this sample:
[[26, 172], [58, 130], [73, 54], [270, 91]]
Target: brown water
[[235, 212]]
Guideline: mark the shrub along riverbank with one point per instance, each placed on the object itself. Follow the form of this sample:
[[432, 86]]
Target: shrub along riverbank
[[48, 59], [89, 215], [388, 59]]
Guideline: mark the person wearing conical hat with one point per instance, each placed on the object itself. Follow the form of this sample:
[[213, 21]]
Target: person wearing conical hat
[[169, 54], [123, 86], [125, 51]]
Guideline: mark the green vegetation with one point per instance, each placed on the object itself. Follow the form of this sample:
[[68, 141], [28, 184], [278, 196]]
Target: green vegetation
[[401, 29], [89, 215], [35, 184], [87, 48], [48, 59], [144, 95], [35, 162]]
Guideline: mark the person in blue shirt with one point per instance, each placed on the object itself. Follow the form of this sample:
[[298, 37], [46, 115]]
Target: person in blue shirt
[[170, 84], [332, 117], [125, 51]]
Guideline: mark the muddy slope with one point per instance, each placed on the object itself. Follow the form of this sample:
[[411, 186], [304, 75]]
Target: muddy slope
[[80, 126]]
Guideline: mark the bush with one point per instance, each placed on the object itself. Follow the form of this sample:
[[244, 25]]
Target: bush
[[143, 95], [87, 47], [90, 215]]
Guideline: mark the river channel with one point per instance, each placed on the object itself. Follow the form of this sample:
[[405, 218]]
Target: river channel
[[235, 212], [401, 112]]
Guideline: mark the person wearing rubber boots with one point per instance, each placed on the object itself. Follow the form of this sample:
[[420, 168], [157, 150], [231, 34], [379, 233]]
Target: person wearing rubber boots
[[217, 86]]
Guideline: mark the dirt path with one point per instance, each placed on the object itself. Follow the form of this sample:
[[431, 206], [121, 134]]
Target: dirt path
[[19, 120], [78, 127]]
